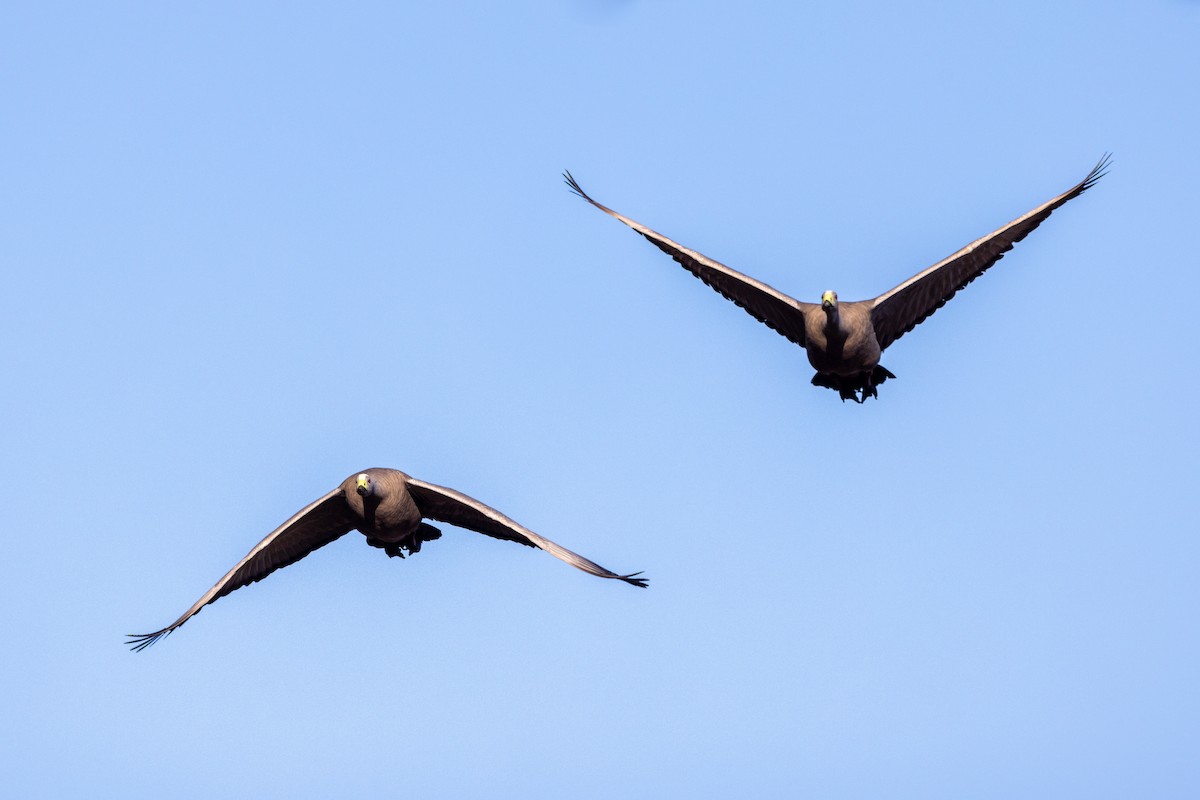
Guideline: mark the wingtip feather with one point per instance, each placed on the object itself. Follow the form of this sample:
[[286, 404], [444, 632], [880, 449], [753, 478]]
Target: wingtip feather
[[137, 642], [573, 184], [633, 580], [1099, 171]]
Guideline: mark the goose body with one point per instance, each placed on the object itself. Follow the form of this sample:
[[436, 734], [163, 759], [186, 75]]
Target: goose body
[[842, 343], [389, 517]]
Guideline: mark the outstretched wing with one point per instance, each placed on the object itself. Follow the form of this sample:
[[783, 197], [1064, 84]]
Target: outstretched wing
[[314, 526], [769, 306], [447, 505], [903, 308]]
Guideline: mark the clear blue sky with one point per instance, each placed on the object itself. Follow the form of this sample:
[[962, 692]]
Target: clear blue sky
[[250, 250]]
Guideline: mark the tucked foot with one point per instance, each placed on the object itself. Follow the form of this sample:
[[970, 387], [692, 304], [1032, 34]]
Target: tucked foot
[[855, 387], [391, 548], [423, 533]]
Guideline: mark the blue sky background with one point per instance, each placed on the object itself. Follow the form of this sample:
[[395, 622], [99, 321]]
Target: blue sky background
[[251, 250]]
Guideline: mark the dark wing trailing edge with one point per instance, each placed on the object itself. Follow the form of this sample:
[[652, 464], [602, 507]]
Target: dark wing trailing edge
[[903, 308], [447, 505], [314, 526], [769, 306]]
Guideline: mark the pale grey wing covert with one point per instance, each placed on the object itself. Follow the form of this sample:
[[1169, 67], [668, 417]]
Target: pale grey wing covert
[[766, 304], [456, 508], [898, 311], [313, 527]]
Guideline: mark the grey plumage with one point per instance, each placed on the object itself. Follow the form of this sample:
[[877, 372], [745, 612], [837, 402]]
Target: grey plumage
[[844, 341], [387, 506]]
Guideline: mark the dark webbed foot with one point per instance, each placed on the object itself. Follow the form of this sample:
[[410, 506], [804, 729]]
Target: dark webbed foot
[[856, 387], [410, 544]]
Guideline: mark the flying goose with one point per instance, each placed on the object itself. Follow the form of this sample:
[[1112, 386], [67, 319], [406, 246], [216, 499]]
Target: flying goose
[[386, 505], [844, 340]]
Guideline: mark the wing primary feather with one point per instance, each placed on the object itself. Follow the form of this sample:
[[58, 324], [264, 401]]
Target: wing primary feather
[[569, 179], [1098, 172], [140, 641]]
